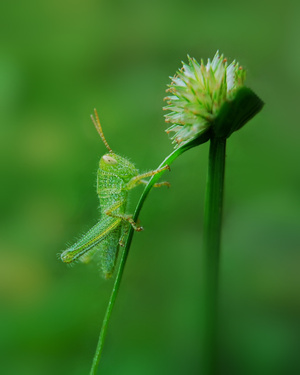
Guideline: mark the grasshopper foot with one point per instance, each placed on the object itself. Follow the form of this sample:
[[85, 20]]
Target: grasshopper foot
[[164, 183]]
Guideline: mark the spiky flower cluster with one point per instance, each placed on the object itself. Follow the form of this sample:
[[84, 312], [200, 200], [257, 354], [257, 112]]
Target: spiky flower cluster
[[197, 94]]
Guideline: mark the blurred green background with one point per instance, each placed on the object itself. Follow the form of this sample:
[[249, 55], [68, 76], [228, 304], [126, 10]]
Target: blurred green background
[[58, 61]]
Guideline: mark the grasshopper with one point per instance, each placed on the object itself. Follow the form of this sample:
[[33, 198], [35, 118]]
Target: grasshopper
[[115, 177]]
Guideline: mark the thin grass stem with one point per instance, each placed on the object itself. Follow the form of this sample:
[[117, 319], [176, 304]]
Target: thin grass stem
[[211, 253]]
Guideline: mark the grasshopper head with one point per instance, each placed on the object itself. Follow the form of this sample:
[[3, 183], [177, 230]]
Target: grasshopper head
[[118, 165]]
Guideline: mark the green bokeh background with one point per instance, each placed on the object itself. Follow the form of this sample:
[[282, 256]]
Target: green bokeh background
[[58, 61]]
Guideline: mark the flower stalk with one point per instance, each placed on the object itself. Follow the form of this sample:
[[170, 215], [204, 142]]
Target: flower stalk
[[211, 253]]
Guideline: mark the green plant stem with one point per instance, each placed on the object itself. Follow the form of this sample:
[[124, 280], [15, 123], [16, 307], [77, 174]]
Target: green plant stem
[[211, 252], [174, 155]]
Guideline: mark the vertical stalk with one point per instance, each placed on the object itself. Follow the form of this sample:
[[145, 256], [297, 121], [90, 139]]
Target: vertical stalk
[[211, 252]]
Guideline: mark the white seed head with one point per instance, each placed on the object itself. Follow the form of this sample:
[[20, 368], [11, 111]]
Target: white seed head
[[196, 94]]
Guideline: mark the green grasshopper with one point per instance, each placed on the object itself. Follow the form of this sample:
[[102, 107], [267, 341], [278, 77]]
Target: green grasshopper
[[115, 177]]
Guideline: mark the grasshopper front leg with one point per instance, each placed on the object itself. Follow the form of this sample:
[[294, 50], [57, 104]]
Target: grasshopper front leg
[[139, 179], [157, 184]]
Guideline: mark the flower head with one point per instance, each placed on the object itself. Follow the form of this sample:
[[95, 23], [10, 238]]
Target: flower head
[[197, 92]]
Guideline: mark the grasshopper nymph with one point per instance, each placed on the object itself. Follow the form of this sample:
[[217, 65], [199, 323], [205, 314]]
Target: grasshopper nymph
[[115, 177]]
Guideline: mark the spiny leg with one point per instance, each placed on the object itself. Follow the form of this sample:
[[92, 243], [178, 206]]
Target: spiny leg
[[108, 253], [157, 184], [124, 217], [137, 179], [91, 239], [124, 234]]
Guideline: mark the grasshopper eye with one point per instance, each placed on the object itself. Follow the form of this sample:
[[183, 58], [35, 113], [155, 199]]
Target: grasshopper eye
[[109, 160]]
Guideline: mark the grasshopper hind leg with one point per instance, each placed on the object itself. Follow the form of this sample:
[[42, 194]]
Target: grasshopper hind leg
[[87, 257], [108, 252]]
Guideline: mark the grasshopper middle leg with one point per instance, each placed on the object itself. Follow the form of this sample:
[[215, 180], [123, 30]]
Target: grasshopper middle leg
[[125, 217]]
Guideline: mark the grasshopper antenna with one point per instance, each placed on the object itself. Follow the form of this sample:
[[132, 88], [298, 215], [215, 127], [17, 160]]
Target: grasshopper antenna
[[99, 129]]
